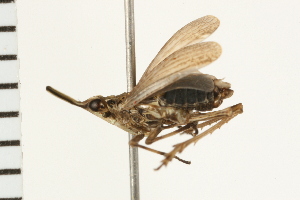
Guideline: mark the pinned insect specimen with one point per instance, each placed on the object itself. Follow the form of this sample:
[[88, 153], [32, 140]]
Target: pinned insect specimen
[[172, 93]]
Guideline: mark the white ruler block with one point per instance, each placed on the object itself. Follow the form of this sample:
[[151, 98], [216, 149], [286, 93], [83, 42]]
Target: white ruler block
[[10, 120]]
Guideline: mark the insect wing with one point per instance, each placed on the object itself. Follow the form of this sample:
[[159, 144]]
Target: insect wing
[[192, 33], [179, 64]]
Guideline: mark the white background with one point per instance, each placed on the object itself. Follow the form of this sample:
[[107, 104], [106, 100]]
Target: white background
[[78, 47]]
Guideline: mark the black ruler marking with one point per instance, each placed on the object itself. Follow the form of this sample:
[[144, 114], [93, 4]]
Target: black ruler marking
[[13, 198], [10, 171], [9, 143], [8, 57], [9, 114], [7, 28], [8, 86], [7, 1]]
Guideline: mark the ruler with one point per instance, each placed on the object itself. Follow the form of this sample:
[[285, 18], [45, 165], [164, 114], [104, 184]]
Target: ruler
[[10, 119]]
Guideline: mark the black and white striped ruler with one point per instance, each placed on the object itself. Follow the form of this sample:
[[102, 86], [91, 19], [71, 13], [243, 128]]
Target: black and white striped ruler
[[10, 119]]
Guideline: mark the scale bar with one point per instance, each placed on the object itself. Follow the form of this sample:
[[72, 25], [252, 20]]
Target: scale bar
[[7, 28], [7, 1], [9, 143], [10, 171], [8, 86], [8, 57], [10, 131], [9, 114]]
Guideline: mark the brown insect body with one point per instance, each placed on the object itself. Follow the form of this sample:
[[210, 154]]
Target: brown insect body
[[150, 113], [171, 93]]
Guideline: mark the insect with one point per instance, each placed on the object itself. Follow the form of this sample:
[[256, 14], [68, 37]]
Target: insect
[[172, 93]]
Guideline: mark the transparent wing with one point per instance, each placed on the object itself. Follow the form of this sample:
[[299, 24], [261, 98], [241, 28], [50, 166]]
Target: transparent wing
[[192, 33], [179, 64]]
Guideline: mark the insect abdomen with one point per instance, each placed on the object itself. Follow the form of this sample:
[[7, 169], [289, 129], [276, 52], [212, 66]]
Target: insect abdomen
[[188, 99]]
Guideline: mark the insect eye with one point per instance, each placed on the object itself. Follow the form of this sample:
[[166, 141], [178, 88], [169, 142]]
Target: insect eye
[[96, 105]]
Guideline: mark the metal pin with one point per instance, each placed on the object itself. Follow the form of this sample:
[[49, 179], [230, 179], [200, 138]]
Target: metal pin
[[131, 81]]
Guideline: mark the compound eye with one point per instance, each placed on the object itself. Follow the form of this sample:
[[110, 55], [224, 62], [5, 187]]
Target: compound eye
[[96, 105]]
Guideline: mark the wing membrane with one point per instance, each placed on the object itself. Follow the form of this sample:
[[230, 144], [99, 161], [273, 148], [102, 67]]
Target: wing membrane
[[176, 66], [192, 33]]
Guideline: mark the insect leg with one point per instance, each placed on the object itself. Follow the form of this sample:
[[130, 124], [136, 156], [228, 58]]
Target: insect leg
[[180, 130], [213, 115], [193, 130], [135, 143], [178, 148], [209, 122], [153, 135]]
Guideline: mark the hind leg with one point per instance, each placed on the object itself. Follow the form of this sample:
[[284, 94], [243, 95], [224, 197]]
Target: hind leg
[[217, 117]]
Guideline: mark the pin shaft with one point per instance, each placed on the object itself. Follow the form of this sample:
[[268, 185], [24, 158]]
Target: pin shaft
[[131, 81]]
